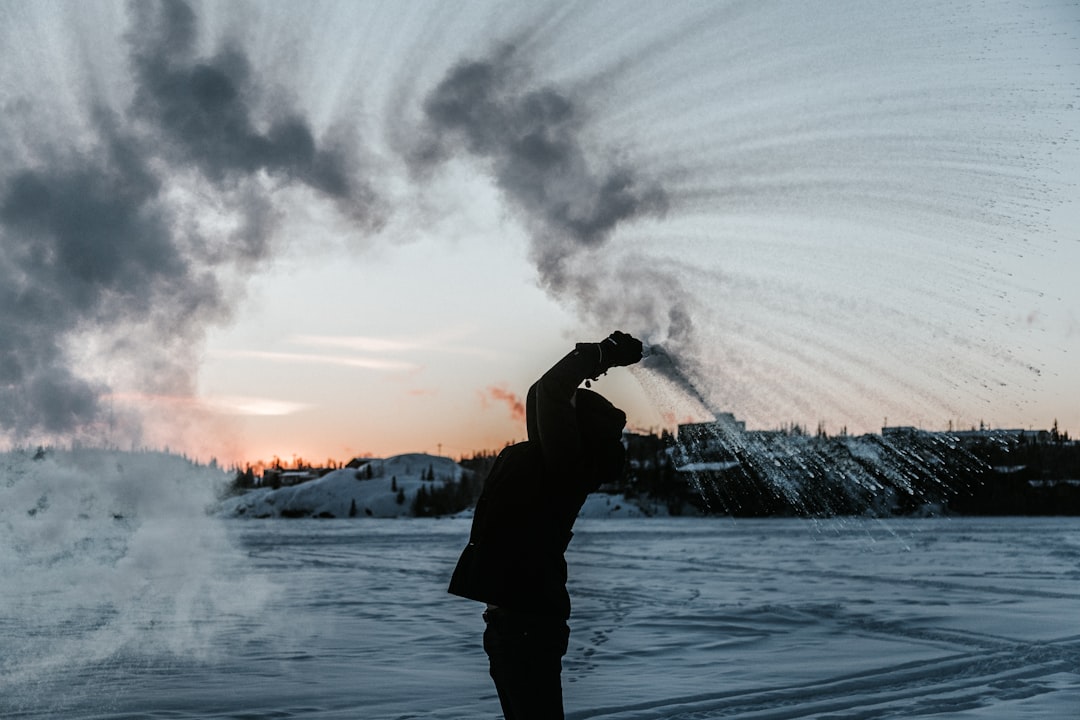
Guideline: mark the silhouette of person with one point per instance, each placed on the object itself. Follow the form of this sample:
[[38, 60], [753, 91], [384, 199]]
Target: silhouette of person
[[514, 560]]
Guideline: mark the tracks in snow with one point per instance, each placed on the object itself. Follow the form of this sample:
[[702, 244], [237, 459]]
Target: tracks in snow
[[913, 689], [971, 669]]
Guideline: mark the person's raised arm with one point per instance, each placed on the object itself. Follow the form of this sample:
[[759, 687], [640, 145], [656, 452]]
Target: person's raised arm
[[549, 412]]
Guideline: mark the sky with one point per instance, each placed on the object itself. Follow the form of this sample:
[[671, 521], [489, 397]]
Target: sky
[[320, 230]]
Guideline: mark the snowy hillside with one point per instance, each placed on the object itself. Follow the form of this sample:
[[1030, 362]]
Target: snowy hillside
[[383, 489], [601, 505], [380, 488]]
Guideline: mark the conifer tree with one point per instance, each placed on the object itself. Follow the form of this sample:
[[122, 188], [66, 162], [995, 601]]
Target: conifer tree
[[420, 502]]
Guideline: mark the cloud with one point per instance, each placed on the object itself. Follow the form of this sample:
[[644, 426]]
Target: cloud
[[218, 404], [358, 343], [242, 405], [365, 363], [206, 110], [122, 247], [115, 255], [502, 395], [86, 242], [572, 192], [532, 138], [437, 342]]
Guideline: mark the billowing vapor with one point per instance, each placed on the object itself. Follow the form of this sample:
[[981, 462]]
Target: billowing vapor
[[87, 242], [805, 173], [105, 261], [205, 111], [571, 197], [816, 217]]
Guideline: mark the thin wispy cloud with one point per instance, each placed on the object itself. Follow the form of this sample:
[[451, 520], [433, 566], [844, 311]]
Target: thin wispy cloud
[[366, 363], [358, 343], [501, 395], [242, 405], [216, 404], [452, 342]]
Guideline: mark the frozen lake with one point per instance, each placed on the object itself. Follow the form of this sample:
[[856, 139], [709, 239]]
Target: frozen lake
[[673, 618]]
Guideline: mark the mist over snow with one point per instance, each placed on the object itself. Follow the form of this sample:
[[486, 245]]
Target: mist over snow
[[126, 539]]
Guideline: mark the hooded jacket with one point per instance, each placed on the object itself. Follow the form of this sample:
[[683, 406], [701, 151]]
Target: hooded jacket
[[525, 514]]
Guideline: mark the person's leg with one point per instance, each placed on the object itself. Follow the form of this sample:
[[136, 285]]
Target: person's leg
[[526, 663]]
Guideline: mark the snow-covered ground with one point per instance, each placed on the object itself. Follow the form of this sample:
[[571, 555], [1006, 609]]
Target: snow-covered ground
[[122, 597], [674, 618]]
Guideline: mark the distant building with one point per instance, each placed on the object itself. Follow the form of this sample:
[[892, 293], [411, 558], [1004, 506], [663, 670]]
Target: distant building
[[698, 434], [901, 432], [1003, 436], [709, 442], [273, 477]]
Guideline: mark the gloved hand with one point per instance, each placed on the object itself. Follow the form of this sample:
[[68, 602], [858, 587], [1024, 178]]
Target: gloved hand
[[619, 349]]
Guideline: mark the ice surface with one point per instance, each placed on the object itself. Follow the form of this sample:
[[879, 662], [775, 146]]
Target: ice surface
[[673, 618]]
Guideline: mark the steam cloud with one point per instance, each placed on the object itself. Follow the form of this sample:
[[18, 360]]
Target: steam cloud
[[532, 139], [121, 243], [572, 197], [98, 253], [86, 241], [98, 244], [205, 111]]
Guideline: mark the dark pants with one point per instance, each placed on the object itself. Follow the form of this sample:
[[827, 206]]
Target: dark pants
[[526, 662]]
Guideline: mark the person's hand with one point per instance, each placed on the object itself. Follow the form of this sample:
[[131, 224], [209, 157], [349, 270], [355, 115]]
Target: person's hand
[[619, 349]]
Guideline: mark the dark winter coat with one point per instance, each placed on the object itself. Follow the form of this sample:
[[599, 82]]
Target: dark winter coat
[[535, 489]]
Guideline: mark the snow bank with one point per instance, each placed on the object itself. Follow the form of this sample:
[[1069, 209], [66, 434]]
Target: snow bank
[[105, 553]]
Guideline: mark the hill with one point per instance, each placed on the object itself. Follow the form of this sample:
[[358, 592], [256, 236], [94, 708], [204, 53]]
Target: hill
[[379, 488], [399, 486]]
